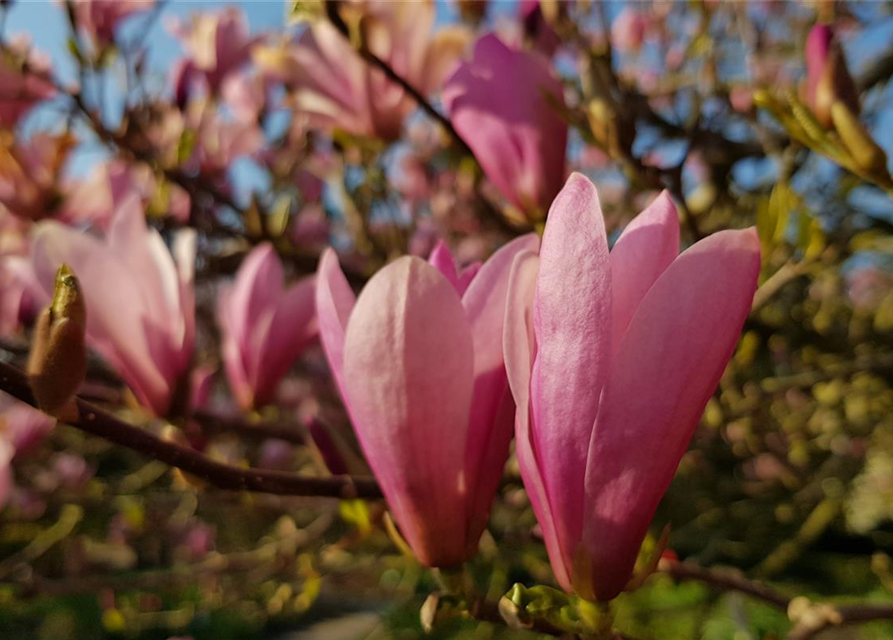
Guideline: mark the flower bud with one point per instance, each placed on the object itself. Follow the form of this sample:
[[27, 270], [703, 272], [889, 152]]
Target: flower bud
[[862, 147], [58, 360], [828, 79]]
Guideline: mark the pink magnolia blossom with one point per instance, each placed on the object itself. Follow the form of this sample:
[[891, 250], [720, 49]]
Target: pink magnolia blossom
[[95, 198], [21, 425], [827, 77], [265, 326], [628, 30], [140, 299], [611, 359], [100, 18], [418, 362], [20, 294], [20, 91], [216, 43], [21, 428], [30, 173], [333, 85], [498, 104]]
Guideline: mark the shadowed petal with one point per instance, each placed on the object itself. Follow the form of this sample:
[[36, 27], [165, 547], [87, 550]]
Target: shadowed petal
[[668, 364]]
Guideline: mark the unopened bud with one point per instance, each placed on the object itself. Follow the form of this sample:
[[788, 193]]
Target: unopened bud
[[58, 360], [862, 147], [828, 79]]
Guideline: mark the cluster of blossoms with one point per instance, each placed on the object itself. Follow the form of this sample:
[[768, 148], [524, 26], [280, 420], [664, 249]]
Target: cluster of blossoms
[[598, 363]]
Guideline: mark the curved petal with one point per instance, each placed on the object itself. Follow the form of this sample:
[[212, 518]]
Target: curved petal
[[466, 276], [334, 302], [492, 415], [408, 368], [669, 363], [442, 259], [646, 247], [291, 328], [572, 323], [235, 368], [256, 291], [520, 351]]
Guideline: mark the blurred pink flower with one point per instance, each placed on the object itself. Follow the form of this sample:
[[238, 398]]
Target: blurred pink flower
[[628, 30], [216, 43], [332, 84], [100, 18], [246, 95], [95, 198], [220, 141], [418, 361], [310, 228], [498, 104], [265, 326], [21, 295], [867, 286], [140, 299], [30, 173], [21, 90], [21, 425], [611, 359]]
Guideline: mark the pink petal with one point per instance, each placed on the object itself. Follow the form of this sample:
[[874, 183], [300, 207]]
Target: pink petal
[[572, 316], [408, 371], [442, 259], [291, 328], [334, 302], [256, 291], [520, 351], [466, 276], [492, 410], [669, 363], [646, 247]]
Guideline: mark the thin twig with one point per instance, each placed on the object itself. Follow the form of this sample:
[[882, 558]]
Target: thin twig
[[98, 422]]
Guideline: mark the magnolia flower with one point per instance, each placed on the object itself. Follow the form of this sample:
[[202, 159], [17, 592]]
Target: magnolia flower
[[100, 18], [21, 428], [628, 30], [21, 90], [504, 105], [217, 44], [611, 359], [418, 362], [337, 89], [21, 425], [30, 174], [139, 297], [95, 198], [265, 328], [827, 77]]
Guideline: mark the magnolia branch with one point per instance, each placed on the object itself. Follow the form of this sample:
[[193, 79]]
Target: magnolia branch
[[96, 421], [809, 618]]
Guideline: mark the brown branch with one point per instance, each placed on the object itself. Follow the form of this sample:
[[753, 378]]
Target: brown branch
[[98, 422], [216, 423], [727, 580]]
